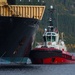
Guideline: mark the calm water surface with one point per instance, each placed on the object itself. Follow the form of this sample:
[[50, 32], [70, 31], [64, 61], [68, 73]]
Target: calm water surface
[[62, 69], [67, 69]]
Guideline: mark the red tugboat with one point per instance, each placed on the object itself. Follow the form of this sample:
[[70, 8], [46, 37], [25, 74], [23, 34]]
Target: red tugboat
[[53, 50]]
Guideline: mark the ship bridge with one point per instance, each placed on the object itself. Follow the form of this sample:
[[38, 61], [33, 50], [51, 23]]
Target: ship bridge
[[27, 11]]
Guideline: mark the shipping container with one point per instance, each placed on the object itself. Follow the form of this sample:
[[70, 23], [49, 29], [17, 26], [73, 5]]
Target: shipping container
[[29, 11], [25, 2]]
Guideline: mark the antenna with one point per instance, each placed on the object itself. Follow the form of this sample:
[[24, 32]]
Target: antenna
[[51, 12], [50, 27]]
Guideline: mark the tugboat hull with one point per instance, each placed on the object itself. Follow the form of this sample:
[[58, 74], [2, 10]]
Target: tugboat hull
[[50, 56]]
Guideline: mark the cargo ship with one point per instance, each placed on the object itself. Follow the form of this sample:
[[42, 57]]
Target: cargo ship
[[53, 50], [18, 25]]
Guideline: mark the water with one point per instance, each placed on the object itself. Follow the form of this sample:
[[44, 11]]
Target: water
[[66, 69], [61, 69]]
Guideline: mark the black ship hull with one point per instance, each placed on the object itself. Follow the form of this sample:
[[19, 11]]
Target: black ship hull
[[16, 37]]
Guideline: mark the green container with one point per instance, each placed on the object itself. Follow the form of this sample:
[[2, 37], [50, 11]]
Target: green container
[[24, 2], [15, 2], [20, 2], [11, 2]]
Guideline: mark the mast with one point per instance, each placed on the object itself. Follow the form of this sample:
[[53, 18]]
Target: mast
[[50, 27], [51, 11]]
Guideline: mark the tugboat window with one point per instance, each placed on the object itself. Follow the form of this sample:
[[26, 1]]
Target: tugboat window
[[53, 38], [48, 38]]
